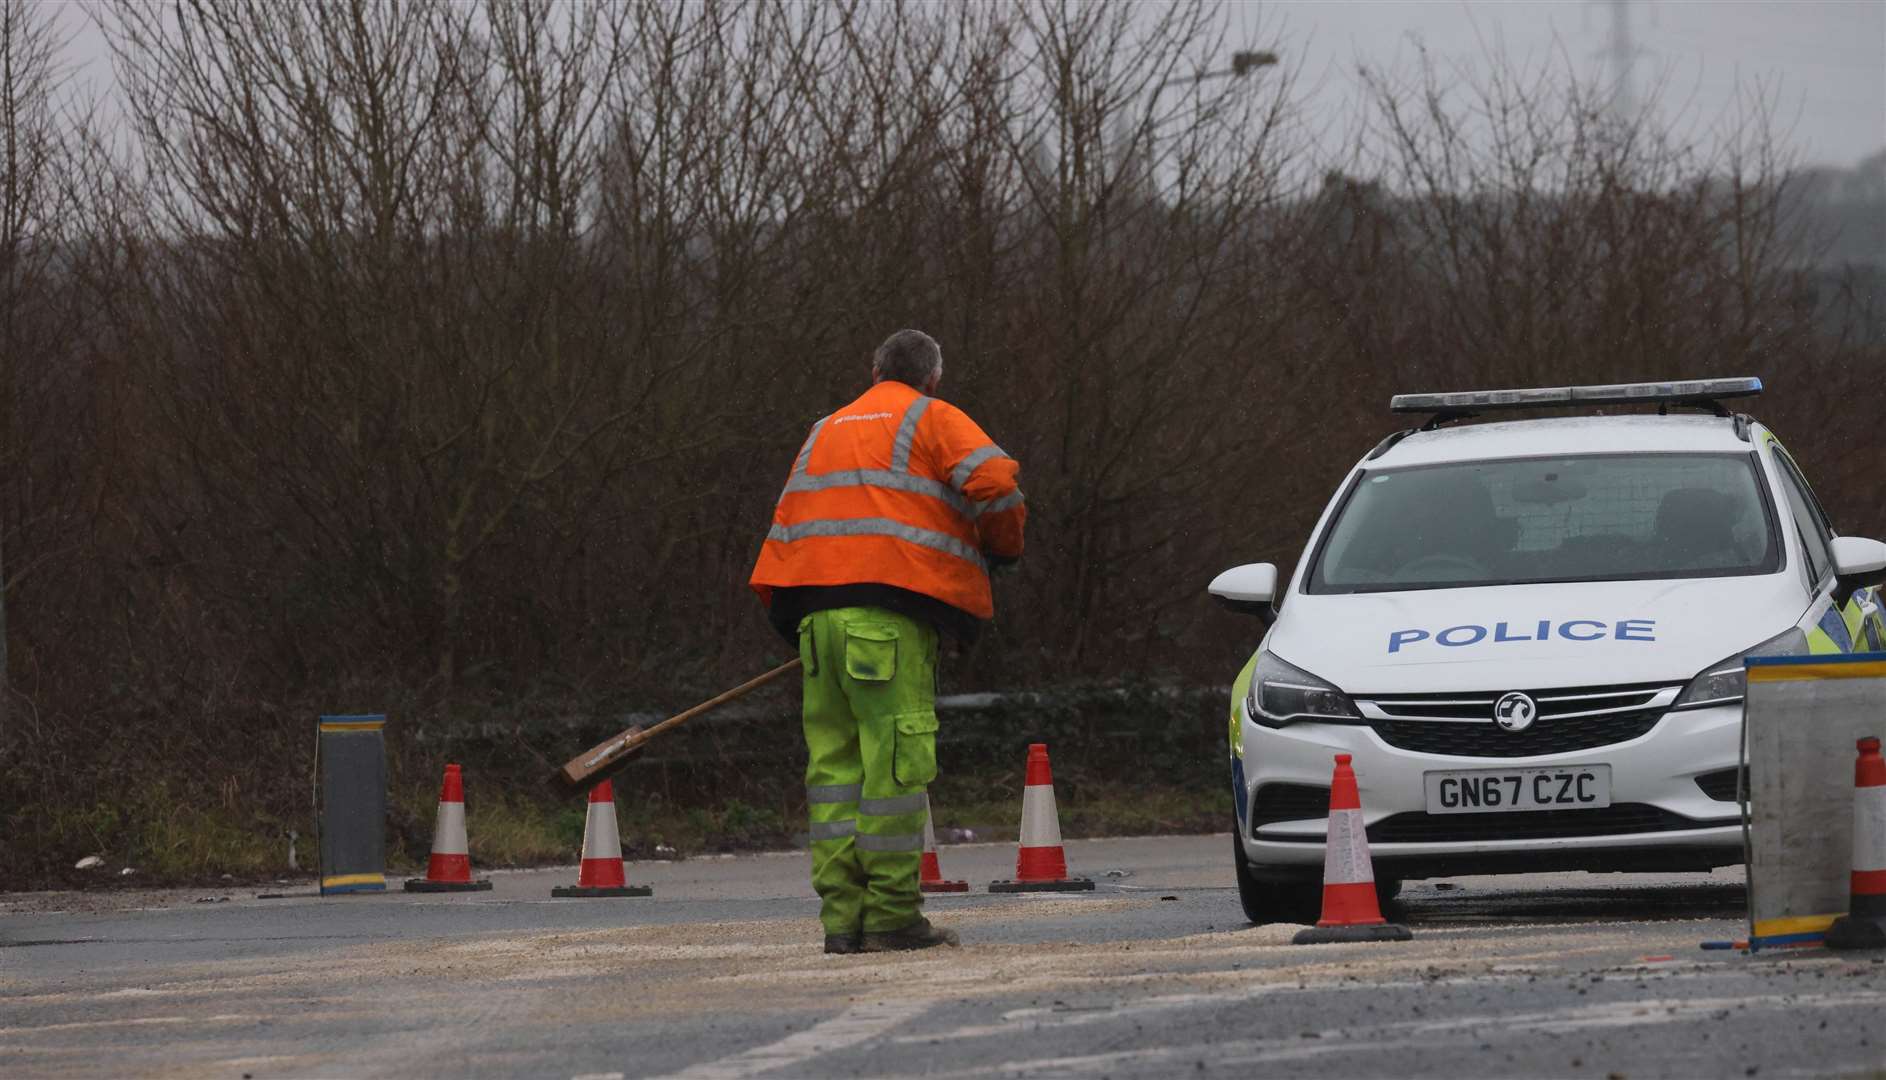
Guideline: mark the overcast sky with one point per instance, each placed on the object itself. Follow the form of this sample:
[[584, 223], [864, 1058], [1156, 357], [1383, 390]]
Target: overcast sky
[[1826, 59]]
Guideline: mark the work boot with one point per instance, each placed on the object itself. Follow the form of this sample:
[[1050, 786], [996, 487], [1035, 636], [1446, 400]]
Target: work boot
[[918, 935], [843, 944]]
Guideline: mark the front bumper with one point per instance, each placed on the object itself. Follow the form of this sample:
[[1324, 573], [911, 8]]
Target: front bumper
[[1661, 819]]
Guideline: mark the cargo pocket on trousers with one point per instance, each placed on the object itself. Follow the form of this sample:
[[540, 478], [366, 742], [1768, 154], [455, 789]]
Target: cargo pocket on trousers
[[871, 652], [808, 648], [913, 760]]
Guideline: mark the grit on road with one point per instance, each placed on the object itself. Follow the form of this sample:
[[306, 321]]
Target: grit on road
[[1155, 974]]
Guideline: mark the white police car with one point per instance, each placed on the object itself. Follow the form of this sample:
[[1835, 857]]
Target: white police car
[[1530, 637]]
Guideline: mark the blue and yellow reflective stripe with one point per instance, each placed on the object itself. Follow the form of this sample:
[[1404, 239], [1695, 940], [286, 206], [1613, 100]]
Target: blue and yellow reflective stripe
[[1790, 930], [1796, 669], [1835, 627], [353, 882]]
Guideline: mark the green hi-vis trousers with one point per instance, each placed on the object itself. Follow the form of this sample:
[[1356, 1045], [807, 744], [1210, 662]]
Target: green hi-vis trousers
[[870, 737]]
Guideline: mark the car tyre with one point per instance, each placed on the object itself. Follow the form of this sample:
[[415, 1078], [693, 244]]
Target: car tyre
[[1387, 889], [1268, 902]]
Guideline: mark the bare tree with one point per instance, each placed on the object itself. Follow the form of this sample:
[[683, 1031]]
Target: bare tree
[[445, 357], [36, 206]]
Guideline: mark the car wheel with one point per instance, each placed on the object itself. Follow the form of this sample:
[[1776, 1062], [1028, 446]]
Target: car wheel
[[1387, 889], [1273, 901]]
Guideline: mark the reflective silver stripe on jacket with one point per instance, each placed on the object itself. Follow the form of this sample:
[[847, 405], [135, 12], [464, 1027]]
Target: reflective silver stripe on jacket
[[897, 530], [996, 506], [871, 842], [899, 804], [833, 830], [959, 476], [907, 434], [884, 478], [805, 452], [833, 793]]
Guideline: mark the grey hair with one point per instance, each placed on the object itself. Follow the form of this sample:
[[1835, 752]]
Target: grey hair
[[911, 357]]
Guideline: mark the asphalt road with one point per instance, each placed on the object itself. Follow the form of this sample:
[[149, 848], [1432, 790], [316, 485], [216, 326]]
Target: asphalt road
[[1155, 974]]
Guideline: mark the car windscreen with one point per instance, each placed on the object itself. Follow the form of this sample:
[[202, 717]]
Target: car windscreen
[[1597, 517]]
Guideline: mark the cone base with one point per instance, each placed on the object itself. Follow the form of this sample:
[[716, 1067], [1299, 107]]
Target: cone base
[[1078, 884], [1331, 935], [448, 886], [1849, 932], [587, 891], [944, 886]]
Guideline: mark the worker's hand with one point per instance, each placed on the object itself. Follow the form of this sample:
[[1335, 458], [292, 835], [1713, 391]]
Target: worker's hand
[[1000, 563]]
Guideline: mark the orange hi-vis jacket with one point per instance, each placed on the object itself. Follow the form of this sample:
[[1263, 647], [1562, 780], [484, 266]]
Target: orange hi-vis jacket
[[896, 489]]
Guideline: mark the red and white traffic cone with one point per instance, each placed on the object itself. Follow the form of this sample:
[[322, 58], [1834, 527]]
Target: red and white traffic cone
[[930, 879], [1350, 909], [449, 869], [1864, 925], [601, 873], [1040, 863]]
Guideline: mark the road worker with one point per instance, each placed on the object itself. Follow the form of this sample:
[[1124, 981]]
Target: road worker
[[895, 509]]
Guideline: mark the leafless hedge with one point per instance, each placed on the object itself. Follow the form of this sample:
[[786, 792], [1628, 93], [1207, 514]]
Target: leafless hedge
[[446, 357]]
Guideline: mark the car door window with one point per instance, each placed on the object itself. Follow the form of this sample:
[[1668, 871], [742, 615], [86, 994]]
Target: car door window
[[1809, 522]]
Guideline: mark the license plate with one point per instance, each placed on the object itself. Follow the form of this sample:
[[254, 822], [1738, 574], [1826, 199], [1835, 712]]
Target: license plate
[[1492, 791]]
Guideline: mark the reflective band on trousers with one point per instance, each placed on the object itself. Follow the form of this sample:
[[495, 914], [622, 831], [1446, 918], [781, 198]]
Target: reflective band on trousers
[[960, 475], [872, 842], [832, 830], [833, 793], [901, 804], [896, 530], [907, 435]]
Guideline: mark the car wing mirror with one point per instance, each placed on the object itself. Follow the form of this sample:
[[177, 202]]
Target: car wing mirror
[[1250, 589], [1858, 563]]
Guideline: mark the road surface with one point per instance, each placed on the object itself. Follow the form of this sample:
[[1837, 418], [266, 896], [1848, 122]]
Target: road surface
[[1155, 974]]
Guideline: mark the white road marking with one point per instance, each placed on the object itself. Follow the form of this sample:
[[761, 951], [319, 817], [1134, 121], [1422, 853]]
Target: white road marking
[[129, 1022], [848, 1028]]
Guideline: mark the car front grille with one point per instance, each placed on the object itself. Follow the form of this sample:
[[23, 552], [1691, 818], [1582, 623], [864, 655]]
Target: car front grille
[[1619, 820], [1570, 718]]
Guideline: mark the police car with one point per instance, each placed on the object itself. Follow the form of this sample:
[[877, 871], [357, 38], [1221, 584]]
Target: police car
[[1529, 634]]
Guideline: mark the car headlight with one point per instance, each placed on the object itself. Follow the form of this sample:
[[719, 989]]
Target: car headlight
[[1726, 682], [1282, 694]]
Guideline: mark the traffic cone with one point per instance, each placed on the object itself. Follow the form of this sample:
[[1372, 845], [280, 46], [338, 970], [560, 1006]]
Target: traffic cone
[[931, 876], [449, 869], [1864, 925], [601, 873], [1040, 863], [1350, 910]]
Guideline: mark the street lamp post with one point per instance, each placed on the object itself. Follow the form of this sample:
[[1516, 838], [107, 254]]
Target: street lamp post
[[1243, 62]]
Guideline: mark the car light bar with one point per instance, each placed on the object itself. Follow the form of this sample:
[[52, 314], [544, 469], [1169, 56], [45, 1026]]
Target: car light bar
[[1687, 390]]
